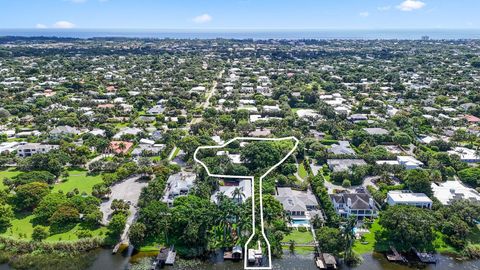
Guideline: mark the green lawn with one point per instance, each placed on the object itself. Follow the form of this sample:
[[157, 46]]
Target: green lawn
[[371, 242], [440, 245], [368, 243], [7, 174], [299, 237], [300, 250], [80, 180], [302, 171], [22, 228]]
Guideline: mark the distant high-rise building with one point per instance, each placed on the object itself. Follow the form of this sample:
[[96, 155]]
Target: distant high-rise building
[[425, 38]]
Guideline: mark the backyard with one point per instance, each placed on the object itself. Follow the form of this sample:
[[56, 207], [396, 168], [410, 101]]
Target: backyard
[[9, 173], [22, 228], [300, 238], [80, 180]]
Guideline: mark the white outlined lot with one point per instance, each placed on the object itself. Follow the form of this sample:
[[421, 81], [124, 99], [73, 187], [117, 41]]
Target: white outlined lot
[[252, 178]]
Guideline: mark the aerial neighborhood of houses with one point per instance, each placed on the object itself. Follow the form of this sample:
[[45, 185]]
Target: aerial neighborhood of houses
[[104, 133]]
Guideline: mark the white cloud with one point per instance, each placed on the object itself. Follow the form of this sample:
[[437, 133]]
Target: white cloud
[[78, 1], [364, 14], [384, 8], [409, 5], [204, 18], [40, 26], [63, 25]]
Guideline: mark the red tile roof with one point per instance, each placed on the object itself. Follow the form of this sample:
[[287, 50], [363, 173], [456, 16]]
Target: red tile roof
[[472, 119], [115, 147]]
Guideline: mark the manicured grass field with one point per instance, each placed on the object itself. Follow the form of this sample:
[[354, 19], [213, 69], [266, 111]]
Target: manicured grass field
[[300, 250], [369, 243], [302, 171], [80, 180], [299, 237], [22, 228], [7, 174]]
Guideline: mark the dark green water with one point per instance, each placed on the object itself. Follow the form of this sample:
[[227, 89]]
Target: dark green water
[[106, 261], [293, 262]]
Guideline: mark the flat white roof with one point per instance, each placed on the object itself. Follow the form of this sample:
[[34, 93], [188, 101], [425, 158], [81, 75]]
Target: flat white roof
[[407, 197], [449, 190]]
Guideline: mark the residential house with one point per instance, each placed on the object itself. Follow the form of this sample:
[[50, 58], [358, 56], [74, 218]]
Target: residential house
[[358, 117], [127, 131], [451, 191], [297, 203], [472, 119], [403, 197], [155, 110], [466, 154], [64, 130], [376, 131], [342, 148], [178, 184], [120, 147], [409, 162], [8, 147], [230, 189], [340, 165], [359, 204], [29, 149], [260, 133], [145, 150]]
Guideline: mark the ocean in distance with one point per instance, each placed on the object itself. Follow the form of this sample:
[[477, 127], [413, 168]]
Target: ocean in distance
[[436, 34]]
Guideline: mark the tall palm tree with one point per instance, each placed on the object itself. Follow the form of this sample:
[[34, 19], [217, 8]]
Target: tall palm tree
[[349, 237], [238, 194]]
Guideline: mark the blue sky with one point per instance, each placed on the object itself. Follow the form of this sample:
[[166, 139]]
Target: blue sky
[[240, 14]]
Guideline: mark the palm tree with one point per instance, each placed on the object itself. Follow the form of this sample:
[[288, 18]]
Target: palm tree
[[349, 237], [317, 221], [237, 194], [122, 146]]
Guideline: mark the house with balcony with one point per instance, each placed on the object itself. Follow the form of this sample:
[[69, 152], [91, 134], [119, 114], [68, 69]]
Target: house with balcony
[[29, 149], [359, 204]]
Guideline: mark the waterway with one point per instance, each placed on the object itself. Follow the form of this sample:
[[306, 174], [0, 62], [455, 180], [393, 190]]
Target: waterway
[[290, 262], [106, 261]]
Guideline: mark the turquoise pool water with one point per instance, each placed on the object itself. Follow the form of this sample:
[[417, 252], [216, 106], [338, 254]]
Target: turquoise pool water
[[300, 222]]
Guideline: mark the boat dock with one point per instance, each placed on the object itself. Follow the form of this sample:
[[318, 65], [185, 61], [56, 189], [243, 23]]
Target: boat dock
[[166, 256], [396, 256], [236, 254], [425, 257]]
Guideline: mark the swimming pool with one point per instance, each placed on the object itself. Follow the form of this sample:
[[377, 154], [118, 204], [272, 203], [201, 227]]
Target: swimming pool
[[300, 222]]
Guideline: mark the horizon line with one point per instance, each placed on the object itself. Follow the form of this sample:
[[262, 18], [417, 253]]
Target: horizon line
[[236, 29]]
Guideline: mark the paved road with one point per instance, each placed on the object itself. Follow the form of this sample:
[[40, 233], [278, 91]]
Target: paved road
[[368, 181], [206, 104]]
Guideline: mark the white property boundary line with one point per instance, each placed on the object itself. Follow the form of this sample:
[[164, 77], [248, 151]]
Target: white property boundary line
[[252, 178]]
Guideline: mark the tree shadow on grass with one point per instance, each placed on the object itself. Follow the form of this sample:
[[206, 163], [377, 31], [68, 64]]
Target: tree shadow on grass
[[61, 228]]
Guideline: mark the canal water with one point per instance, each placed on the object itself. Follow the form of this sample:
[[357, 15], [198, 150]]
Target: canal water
[[106, 261], [375, 261]]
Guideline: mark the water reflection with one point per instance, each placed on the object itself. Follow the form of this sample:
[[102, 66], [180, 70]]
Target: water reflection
[[105, 260]]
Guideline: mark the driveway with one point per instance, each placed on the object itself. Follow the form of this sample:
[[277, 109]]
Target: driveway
[[128, 190]]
